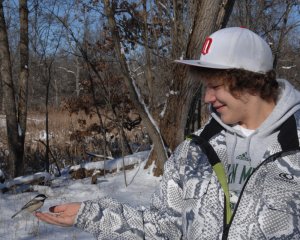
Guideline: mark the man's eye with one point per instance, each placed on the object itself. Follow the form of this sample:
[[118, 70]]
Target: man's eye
[[217, 86]]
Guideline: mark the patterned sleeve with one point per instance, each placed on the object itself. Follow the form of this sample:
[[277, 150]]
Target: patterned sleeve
[[109, 219]]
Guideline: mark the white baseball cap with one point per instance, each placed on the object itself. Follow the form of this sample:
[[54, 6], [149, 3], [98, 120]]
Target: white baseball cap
[[234, 47]]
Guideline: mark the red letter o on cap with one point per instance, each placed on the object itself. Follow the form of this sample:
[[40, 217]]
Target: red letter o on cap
[[206, 45]]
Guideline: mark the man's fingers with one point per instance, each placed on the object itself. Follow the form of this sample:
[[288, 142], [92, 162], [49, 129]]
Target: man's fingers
[[45, 217], [53, 219], [57, 209], [70, 207]]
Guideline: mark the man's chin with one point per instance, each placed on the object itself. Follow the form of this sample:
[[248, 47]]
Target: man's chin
[[227, 121]]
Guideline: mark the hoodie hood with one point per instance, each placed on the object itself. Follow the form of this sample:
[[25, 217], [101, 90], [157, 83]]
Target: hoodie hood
[[288, 103]]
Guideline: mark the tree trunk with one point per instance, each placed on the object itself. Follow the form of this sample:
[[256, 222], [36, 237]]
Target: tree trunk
[[210, 16], [77, 77], [283, 33], [9, 96], [48, 78], [23, 82], [148, 73]]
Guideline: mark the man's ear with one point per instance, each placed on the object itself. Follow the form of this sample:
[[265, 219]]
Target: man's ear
[[243, 96]]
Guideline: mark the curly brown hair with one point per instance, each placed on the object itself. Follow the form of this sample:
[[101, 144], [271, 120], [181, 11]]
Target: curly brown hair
[[240, 81]]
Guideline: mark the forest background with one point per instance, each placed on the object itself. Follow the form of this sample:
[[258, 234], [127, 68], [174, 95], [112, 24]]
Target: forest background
[[82, 76]]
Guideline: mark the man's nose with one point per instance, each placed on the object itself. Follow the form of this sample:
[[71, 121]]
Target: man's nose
[[209, 96]]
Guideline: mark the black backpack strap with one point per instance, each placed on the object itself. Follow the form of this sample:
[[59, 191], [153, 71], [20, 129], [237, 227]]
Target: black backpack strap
[[288, 137], [211, 129], [208, 132]]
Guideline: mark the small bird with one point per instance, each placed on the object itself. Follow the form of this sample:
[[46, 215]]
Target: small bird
[[33, 205]]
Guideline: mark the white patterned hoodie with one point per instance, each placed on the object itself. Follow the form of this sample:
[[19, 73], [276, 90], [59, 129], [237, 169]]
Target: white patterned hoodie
[[193, 199]]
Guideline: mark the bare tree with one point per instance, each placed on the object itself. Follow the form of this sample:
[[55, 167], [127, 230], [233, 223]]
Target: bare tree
[[23, 80], [47, 75], [16, 111], [205, 17], [209, 16], [9, 95], [276, 21], [152, 129]]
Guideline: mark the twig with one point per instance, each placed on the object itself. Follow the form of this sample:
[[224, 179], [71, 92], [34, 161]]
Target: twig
[[55, 160]]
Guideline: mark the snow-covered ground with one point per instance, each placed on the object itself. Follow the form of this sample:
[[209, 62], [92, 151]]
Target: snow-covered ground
[[141, 185]]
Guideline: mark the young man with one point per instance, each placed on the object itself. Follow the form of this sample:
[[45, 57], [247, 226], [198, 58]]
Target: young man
[[236, 178]]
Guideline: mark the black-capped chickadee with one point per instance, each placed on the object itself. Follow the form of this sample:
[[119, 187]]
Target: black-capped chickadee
[[33, 205]]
